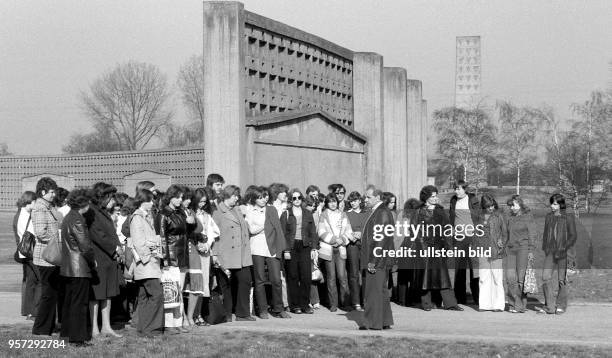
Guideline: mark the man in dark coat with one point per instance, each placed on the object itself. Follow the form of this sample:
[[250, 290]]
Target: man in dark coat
[[375, 264]]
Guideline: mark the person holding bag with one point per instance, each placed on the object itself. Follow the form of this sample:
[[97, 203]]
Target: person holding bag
[[46, 228], [335, 233], [30, 290], [77, 265]]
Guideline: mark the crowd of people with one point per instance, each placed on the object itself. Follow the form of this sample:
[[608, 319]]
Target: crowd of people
[[188, 257]]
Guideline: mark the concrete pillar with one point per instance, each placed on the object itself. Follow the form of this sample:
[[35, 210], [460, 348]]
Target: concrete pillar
[[414, 139], [368, 110], [224, 114], [395, 153], [425, 137]]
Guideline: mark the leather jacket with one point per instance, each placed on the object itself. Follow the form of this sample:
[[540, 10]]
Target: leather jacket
[[77, 251], [173, 229]]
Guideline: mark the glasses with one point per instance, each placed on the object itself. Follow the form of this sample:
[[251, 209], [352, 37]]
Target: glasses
[[297, 197]]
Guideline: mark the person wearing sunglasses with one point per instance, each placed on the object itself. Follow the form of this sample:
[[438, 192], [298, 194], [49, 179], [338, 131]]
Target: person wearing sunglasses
[[302, 244]]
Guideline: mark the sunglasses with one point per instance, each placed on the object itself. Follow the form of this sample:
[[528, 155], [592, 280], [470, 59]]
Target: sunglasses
[[298, 197]]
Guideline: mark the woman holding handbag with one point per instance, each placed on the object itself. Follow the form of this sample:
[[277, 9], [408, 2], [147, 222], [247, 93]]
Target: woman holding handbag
[[30, 291], [491, 275], [335, 233], [46, 228]]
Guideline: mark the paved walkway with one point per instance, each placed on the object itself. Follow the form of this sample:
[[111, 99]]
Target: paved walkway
[[584, 324]]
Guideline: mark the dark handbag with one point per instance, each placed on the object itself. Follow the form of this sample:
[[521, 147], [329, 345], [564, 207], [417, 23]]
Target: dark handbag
[[217, 313], [26, 245]]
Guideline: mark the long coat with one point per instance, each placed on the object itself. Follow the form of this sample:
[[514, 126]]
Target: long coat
[[103, 234], [380, 216], [435, 271], [233, 250]]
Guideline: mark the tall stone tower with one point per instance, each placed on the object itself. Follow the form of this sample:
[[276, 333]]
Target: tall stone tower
[[468, 72]]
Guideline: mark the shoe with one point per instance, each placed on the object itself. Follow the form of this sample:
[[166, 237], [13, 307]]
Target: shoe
[[358, 308], [386, 327], [282, 314], [362, 328], [316, 306], [454, 308], [308, 311], [263, 316], [296, 311], [248, 318], [183, 330], [426, 309], [560, 311], [513, 310], [333, 309]]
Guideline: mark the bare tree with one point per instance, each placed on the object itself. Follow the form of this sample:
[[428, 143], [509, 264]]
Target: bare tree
[[191, 82], [595, 128], [518, 133], [130, 100], [465, 138]]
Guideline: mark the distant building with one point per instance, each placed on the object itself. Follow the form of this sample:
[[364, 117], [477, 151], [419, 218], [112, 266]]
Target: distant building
[[468, 72]]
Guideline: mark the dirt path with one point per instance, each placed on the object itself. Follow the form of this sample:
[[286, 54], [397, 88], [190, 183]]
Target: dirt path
[[584, 324]]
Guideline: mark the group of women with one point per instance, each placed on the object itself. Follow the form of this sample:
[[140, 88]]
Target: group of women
[[214, 240]]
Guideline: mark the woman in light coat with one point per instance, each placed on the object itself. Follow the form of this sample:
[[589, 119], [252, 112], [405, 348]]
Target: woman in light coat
[[147, 272], [335, 233]]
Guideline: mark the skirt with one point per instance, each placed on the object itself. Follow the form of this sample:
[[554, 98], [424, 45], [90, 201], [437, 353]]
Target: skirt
[[197, 278]]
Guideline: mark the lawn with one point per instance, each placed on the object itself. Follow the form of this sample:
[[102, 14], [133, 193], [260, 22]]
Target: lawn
[[212, 342]]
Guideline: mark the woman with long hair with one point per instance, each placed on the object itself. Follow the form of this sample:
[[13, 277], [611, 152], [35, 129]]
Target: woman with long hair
[[491, 275], [522, 233], [435, 274], [559, 237], [173, 232], [200, 245], [335, 233], [30, 290]]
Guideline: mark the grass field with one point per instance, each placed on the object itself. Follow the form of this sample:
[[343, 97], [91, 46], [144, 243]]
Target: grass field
[[211, 342]]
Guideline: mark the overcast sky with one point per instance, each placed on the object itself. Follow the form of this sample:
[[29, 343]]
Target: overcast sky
[[534, 52]]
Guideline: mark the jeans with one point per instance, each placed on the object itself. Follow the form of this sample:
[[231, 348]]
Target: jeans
[[353, 253], [515, 268], [236, 289], [274, 272], [45, 317], [336, 270], [550, 264]]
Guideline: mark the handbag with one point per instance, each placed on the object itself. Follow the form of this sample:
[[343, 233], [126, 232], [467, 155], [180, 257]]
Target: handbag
[[53, 252], [317, 275], [217, 313], [170, 280], [531, 285], [27, 242]]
